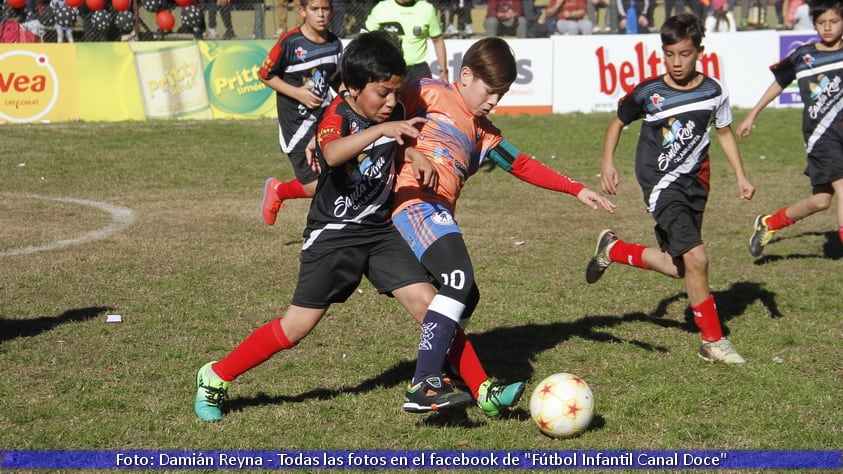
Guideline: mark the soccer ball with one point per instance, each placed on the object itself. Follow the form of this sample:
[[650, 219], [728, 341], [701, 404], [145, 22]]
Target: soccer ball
[[562, 405]]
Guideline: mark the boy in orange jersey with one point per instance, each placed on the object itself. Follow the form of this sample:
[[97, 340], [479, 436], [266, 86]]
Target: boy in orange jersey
[[458, 137]]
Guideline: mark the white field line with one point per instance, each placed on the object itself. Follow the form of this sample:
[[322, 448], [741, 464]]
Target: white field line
[[121, 218]]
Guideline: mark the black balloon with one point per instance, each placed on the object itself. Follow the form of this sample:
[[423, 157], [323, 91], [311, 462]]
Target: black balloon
[[101, 20], [124, 21], [65, 16], [191, 16]]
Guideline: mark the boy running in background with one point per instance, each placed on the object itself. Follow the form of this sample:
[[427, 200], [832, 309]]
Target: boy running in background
[[302, 69], [349, 232], [818, 69], [457, 138], [672, 167]]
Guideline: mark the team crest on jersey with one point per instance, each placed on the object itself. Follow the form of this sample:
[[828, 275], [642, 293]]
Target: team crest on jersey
[[442, 218], [656, 100], [301, 53], [819, 87], [808, 60], [671, 133]]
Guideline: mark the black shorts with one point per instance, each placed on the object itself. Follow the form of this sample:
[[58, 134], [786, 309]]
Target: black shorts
[[825, 165], [304, 173], [678, 228], [328, 277]]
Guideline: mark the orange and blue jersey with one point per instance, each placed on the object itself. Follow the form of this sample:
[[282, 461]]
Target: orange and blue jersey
[[453, 138]]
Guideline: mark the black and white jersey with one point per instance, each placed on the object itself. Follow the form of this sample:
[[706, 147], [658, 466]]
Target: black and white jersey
[[672, 156], [819, 75], [355, 197], [299, 61]]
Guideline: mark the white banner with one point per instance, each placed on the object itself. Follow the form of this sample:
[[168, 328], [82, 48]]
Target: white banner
[[590, 73]]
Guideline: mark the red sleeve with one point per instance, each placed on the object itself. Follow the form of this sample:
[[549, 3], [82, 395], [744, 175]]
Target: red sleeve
[[539, 174]]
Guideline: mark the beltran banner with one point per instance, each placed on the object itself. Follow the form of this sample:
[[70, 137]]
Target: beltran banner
[[154, 80]]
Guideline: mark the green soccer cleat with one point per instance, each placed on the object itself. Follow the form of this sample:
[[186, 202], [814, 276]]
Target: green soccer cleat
[[600, 261], [720, 351], [495, 396], [761, 236], [210, 393]]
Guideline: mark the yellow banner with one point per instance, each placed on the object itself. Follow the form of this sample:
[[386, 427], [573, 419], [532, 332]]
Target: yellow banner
[[38, 83], [114, 81]]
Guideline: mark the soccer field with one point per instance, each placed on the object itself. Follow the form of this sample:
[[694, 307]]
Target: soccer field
[[158, 222]]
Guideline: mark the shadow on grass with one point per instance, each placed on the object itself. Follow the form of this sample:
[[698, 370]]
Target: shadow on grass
[[14, 328], [832, 248], [507, 352]]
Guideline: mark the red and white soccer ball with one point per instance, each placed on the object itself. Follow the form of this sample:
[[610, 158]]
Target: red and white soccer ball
[[562, 405]]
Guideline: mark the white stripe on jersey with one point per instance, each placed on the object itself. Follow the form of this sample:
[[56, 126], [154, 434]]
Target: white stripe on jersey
[[315, 234], [694, 157]]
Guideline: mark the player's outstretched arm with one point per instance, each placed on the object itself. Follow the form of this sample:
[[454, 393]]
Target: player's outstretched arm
[[595, 201], [609, 178], [745, 127]]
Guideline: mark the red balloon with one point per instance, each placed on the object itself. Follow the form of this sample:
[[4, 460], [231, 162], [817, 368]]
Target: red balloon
[[74, 3], [185, 3], [121, 5], [95, 5], [16, 3], [165, 20]]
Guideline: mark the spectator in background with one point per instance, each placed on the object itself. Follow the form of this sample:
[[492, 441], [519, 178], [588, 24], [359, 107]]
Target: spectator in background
[[281, 17], [638, 9], [224, 8], [720, 19], [571, 16], [505, 18], [461, 9], [594, 7], [412, 23], [799, 15], [754, 13], [338, 10]]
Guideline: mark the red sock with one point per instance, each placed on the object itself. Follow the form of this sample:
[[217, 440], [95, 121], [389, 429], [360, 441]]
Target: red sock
[[707, 319], [628, 253], [254, 350], [463, 358], [292, 189], [779, 220]]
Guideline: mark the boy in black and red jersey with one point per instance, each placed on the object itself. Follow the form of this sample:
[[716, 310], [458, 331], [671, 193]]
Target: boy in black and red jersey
[[302, 70], [672, 167], [349, 231]]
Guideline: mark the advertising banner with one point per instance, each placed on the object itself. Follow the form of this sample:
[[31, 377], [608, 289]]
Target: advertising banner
[[116, 81], [38, 83]]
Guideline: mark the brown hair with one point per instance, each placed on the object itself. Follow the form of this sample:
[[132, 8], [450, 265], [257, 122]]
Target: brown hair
[[680, 27], [491, 60]]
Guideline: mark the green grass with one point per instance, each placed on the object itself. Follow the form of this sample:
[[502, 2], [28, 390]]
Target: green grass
[[198, 271]]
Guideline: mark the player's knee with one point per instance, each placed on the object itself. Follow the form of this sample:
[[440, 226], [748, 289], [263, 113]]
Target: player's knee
[[821, 201]]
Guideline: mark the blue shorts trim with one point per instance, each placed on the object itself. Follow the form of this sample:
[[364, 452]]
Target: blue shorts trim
[[423, 224]]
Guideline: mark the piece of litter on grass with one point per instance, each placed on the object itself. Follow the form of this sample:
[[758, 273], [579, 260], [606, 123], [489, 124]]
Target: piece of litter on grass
[[344, 356], [763, 157], [778, 360], [520, 242], [114, 318], [21, 165], [360, 290]]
